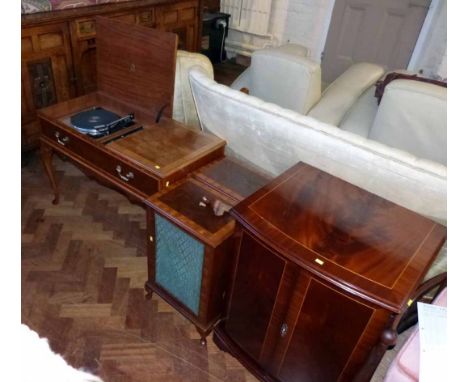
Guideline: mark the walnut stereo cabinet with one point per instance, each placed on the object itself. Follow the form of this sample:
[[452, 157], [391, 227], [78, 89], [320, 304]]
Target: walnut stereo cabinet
[[147, 157], [322, 271], [58, 50]]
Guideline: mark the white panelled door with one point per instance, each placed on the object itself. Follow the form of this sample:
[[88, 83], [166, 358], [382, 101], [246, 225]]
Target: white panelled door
[[379, 31]]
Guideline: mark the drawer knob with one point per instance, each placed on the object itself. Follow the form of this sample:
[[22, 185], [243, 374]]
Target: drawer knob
[[63, 141], [284, 330], [125, 177]]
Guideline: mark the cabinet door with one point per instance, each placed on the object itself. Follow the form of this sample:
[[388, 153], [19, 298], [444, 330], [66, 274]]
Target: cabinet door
[[258, 277], [332, 335]]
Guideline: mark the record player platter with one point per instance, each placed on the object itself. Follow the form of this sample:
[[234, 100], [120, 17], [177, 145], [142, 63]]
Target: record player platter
[[98, 122]]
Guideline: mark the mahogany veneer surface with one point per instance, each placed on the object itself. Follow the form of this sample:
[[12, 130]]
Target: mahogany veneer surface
[[230, 177], [137, 65], [180, 203], [322, 271], [165, 147], [366, 243], [252, 302]]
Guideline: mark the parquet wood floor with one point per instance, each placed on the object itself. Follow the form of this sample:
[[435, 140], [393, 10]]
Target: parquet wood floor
[[83, 271]]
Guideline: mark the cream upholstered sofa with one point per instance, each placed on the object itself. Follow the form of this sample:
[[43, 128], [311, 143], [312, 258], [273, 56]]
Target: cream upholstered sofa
[[275, 138], [355, 149], [286, 77]]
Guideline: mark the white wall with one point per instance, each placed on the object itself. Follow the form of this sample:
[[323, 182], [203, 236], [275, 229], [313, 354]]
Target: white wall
[[430, 54], [298, 21], [306, 22]]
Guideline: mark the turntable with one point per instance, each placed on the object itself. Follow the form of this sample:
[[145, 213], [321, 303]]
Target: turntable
[[98, 122]]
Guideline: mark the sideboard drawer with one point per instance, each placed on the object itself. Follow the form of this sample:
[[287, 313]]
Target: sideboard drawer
[[146, 17], [85, 28], [81, 146]]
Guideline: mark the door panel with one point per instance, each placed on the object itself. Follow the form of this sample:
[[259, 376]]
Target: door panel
[[328, 327], [46, 74], [258, 277], [378, 31]]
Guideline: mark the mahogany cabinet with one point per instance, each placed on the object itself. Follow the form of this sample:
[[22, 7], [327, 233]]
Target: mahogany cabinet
[[148, 155], [58, 49], [322, 272]]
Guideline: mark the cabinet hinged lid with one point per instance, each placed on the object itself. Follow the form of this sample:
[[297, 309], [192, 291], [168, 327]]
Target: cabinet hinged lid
[[136, 65]]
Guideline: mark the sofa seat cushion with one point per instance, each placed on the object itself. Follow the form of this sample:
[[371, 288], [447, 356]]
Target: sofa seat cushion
[[412, 116]]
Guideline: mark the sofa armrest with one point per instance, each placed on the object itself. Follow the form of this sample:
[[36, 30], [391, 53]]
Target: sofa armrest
[[338, 98], [184, 106]]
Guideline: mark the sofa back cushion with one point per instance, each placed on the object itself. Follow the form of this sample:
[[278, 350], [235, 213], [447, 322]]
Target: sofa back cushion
[[288, 80], [274, 139], [412, 116]]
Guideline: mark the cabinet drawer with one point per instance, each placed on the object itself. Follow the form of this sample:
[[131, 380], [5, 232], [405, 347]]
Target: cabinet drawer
[[85, 27], [146, 17], [98, 157]]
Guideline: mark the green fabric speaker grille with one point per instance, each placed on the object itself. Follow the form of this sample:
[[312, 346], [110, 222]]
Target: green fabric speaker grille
[[179, 263]]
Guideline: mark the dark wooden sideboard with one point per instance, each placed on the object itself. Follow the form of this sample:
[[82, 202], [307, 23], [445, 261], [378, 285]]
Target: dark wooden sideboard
[[58, 50], [323, 272]]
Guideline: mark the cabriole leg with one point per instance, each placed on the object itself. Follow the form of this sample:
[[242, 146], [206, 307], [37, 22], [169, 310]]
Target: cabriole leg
[[46, 158]]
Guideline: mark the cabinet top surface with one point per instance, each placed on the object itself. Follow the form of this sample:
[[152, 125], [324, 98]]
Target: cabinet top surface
[[232, 178], [166, 147], [181, 204], [346, 234], [70, 13]]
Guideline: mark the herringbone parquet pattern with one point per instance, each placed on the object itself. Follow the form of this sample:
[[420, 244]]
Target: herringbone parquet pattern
[[83, 271]]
